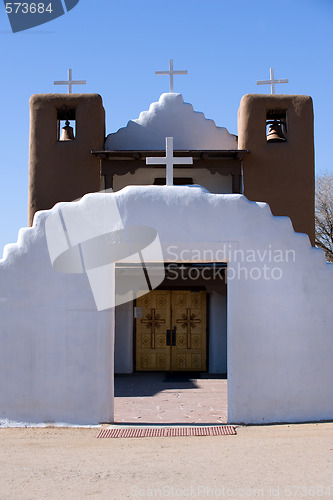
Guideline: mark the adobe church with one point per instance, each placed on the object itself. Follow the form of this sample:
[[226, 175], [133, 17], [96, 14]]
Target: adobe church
[[207, 265]]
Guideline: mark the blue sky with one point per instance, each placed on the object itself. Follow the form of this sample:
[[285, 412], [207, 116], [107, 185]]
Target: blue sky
[[226, 45]]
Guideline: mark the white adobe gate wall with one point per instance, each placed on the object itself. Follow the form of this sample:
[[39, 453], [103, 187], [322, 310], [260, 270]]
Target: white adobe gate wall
[[280, 331], [56, 349]]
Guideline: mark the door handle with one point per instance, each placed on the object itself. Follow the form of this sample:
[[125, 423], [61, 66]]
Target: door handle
[[171, 337], [174, 336]]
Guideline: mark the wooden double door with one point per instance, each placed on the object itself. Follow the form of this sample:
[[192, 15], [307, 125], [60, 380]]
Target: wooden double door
[[171, 331]]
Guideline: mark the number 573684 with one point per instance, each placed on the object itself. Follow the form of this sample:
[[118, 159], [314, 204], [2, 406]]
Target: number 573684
[[26, 8]]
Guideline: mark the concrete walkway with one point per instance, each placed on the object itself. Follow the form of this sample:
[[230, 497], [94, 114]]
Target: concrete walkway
[[164, 398]]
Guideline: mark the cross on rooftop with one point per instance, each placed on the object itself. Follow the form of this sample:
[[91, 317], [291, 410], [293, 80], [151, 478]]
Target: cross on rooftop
[[70, 82], [169, 160], [171, 72], [271, 81]]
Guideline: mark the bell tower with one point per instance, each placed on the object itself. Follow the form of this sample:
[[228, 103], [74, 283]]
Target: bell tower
[[279, 170], [64, 129]]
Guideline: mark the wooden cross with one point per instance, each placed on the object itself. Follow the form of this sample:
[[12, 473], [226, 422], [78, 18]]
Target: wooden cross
[[188, 321], [153, 320], [171, 72], [70, 82], [271, 81], [169, 160]]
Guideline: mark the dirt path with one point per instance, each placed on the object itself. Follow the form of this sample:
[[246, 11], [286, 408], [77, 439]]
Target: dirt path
[[289, 461]]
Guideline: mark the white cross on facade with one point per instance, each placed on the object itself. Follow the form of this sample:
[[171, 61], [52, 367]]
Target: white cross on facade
[[171, 72], [272, 82], [169, 160], [70, 82]]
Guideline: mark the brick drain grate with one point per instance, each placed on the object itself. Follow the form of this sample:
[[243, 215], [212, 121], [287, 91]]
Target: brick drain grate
[[133, 432]]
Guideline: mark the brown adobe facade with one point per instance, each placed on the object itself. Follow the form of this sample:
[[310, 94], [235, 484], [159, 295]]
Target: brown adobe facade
[[279, 173]]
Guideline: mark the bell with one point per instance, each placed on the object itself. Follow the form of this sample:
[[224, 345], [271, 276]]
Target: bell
[[275, 133], [67, 133]]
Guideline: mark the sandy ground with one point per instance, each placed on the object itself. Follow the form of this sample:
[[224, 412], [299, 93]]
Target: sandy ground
[[285, 461]]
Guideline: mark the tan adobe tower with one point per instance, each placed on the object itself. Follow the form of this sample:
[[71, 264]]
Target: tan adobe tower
[[63, 170], [280, 173]]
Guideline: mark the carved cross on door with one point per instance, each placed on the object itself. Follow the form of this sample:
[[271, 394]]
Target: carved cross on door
[[153, 321], [188, 321]]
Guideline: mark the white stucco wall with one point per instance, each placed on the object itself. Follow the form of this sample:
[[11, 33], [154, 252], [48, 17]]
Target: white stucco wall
[[215, 183], [56, 350], [171, 117]]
